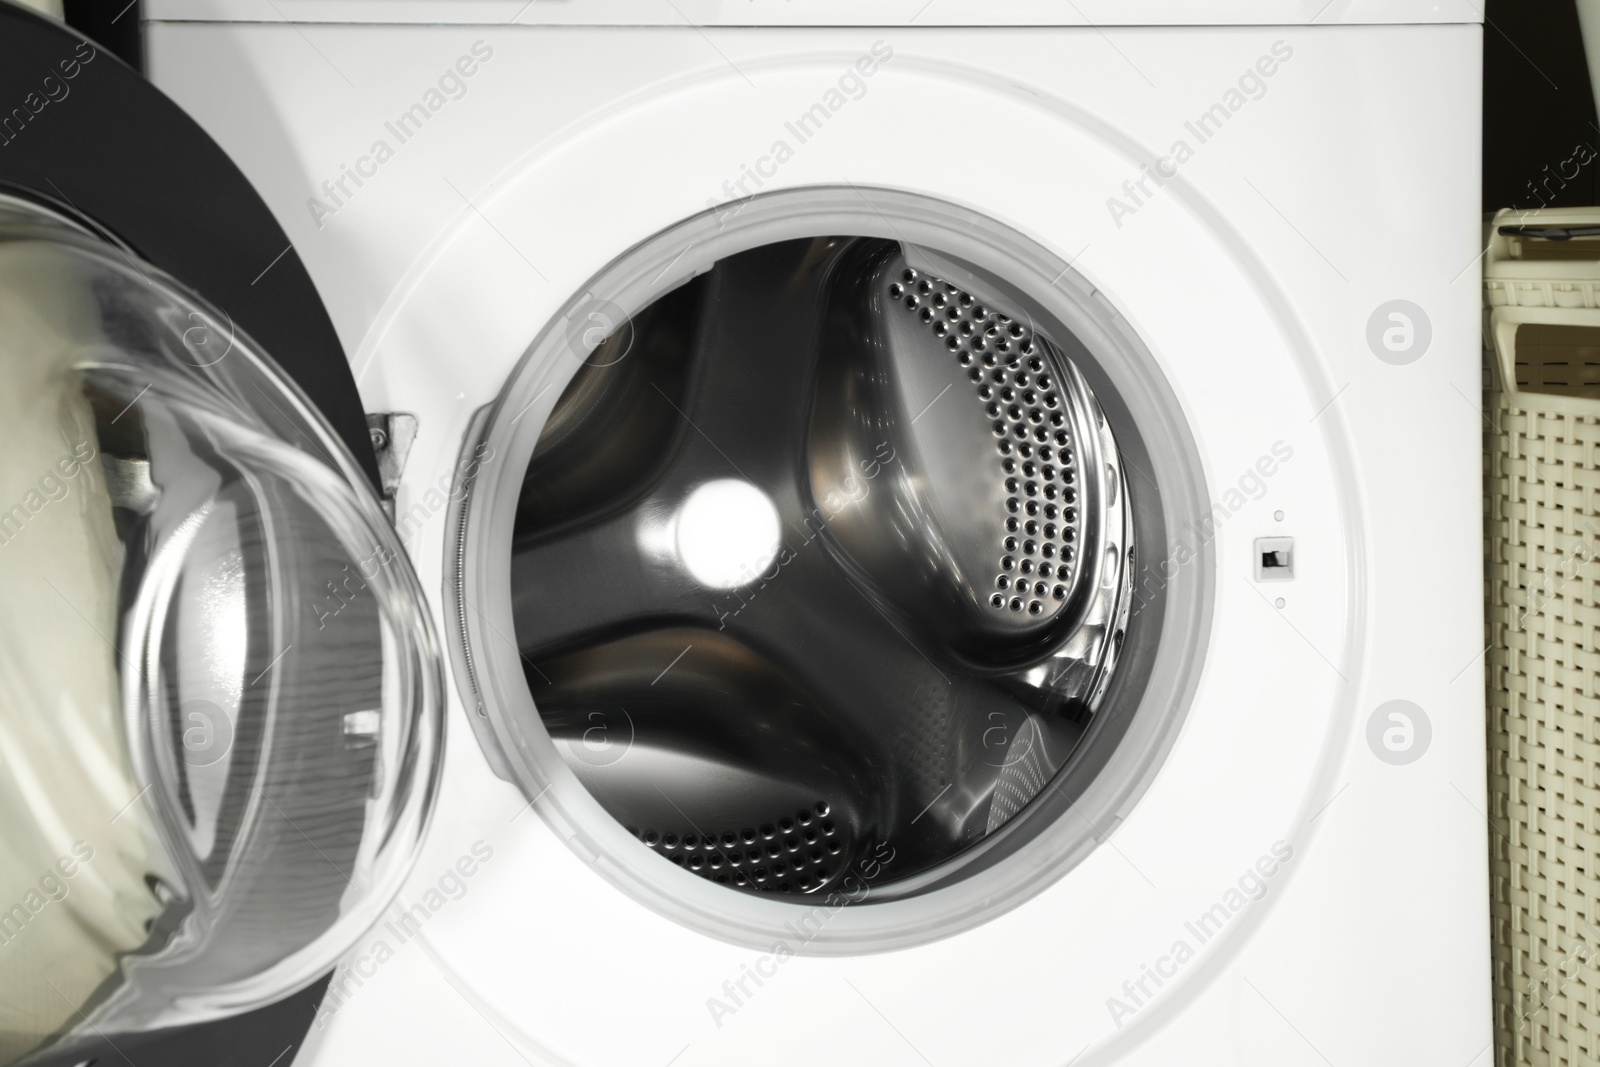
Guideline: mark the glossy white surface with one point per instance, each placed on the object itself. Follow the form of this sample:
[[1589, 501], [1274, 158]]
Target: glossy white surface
[[1342, 181], [827, 12]]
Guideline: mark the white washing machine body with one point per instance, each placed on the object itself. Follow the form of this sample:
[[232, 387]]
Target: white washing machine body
[[1281, 203]]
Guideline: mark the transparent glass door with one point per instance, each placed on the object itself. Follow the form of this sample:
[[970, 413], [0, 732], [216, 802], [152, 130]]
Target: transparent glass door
[[220, 694]]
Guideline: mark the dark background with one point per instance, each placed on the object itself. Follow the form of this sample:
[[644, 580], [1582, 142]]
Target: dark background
[[1537, 107]]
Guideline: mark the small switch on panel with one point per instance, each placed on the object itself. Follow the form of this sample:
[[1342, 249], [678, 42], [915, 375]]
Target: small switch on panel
[[1274, 559]]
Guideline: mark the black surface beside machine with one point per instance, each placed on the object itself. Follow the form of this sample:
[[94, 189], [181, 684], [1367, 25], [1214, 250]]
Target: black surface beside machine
[[85, 134]]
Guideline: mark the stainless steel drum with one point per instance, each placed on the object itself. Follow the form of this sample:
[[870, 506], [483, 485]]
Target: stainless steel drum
[[877, 528]]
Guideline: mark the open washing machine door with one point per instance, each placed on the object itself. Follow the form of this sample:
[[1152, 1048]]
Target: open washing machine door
[[220, 699]]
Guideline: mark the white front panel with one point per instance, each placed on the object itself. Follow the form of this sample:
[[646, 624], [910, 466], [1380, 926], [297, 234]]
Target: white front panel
[[825, 12], [1317, 196]]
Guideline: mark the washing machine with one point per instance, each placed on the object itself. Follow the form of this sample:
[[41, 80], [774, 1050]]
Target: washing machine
[[954, 530]]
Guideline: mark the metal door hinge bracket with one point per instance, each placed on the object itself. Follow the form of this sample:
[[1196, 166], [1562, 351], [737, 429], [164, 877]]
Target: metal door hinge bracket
[[392, 434]]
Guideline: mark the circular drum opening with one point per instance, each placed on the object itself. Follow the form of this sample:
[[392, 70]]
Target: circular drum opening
[[822, 566]]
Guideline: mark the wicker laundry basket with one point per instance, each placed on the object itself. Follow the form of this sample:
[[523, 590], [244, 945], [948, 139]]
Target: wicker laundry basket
[[1542, 555]]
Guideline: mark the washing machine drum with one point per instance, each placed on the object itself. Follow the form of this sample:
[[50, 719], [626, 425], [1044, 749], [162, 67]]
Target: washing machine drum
[[875, 526], [219, 701]]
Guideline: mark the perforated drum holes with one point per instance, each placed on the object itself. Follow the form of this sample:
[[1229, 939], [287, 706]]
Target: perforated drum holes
[[1016, 382], [798, 852]]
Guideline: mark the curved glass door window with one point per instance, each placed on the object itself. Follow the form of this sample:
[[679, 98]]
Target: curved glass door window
[[219, 692]]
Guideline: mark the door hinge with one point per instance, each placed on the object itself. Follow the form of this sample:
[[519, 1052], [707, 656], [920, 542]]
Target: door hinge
[[392, 433]]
